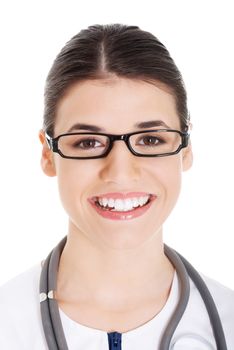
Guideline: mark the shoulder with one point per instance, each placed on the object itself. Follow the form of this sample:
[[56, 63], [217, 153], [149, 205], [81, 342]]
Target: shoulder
[[195, 328], [222, 295], [21, 287], [224, 301], [20, 311]]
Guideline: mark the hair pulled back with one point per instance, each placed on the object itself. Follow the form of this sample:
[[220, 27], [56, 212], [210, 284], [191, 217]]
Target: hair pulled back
[[104, 51]]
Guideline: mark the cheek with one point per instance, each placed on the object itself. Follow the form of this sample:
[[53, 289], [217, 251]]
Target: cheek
[[174, 178], [168, 173], [74, 182]]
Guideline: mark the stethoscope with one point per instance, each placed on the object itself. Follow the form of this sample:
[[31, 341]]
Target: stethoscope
[[51, 320]]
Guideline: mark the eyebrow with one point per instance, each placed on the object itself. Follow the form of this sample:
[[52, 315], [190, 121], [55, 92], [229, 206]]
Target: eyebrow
[[95, 128]]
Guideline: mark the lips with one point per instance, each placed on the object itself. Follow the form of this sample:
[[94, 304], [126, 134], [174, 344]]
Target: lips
[[122, 206], [122, 201]]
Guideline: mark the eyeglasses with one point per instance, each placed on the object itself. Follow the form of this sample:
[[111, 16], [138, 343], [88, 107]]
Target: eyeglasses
[[149, 143]]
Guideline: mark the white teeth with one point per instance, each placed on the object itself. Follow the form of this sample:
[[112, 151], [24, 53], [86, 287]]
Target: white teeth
[[128, 204], [142, 200], [118, 204], [123, 204], [135, 202], [104, 201], [111, 202]]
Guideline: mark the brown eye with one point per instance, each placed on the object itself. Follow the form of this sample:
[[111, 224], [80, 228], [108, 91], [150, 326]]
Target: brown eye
[[87, 143], [150, 140]]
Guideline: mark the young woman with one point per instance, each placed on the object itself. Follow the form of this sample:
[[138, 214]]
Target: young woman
[[116, 135]]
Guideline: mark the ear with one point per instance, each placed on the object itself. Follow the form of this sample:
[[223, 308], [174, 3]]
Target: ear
[[47, 158], [187, 157]]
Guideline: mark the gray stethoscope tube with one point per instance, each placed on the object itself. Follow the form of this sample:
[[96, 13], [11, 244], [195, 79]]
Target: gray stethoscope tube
[[51, 320]]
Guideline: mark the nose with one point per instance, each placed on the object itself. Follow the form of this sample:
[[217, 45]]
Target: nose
[[120, 166]]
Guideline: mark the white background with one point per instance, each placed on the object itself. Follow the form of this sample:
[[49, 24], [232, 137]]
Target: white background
[[199, 36]]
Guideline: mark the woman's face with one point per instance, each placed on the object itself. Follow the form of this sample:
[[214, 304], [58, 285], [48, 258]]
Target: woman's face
[[116, 107]]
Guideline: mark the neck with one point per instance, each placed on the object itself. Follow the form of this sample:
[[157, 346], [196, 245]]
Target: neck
[[104, 275]]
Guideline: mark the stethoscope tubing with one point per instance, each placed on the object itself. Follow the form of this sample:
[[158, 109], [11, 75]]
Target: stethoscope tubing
[[51, 320], [183, 300], [209, 304], [44, 307]]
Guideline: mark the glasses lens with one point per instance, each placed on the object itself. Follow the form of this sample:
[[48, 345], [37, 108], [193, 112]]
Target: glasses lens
[[83, 145], [155, 142]]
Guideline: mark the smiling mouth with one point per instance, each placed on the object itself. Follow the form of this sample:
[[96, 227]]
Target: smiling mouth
[[122, 205]]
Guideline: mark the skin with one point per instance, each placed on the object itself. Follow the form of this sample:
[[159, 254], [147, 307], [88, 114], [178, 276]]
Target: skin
[[106, 265]]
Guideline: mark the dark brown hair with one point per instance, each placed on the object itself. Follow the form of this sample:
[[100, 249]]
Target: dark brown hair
[[102, 51]]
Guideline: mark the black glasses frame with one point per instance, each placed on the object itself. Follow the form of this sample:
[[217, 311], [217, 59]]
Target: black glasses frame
[[53, 143]]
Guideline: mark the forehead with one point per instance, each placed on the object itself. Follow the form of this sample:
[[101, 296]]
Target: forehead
[[115, 105]]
